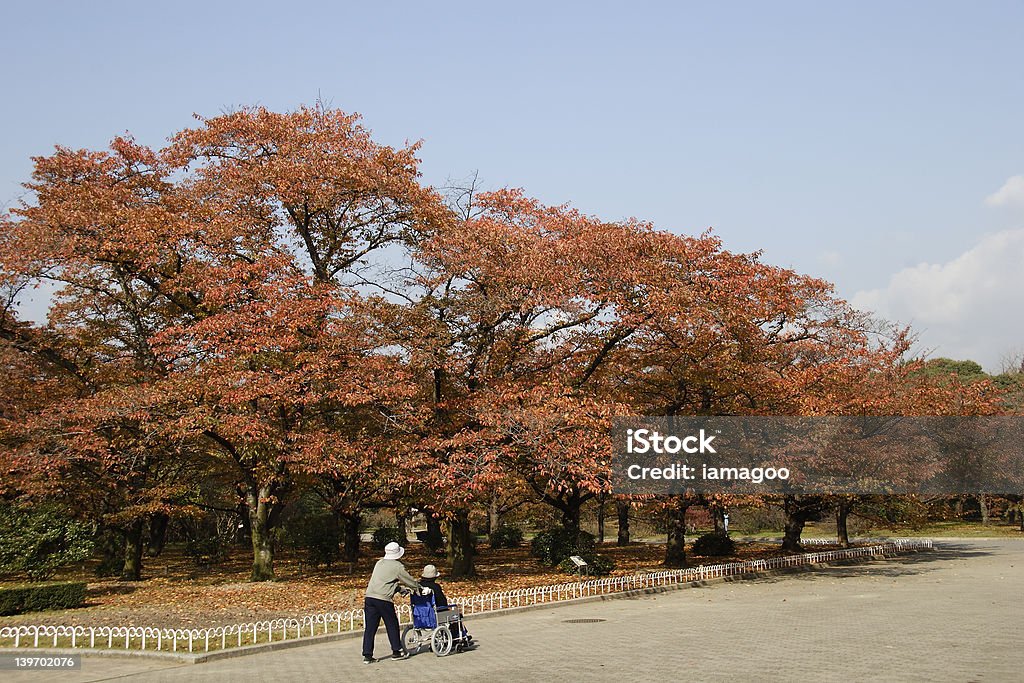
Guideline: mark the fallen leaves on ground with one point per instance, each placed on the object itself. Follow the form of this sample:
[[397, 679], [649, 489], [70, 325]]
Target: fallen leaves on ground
[[176, 594]]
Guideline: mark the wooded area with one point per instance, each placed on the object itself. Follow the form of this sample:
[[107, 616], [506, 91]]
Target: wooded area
[[273, 318]]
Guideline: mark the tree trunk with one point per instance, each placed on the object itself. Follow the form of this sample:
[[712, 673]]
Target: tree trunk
[[111, 546], [401, 517], [1020, 514], [493, 516], [350, 540], [622, 512], [133, 543], [797, 514], [794, 529], [958, 507], [675, 550], [600, 519], [842, 532], [571, 515], [983, 504], [244, 532], [460, 546], [259, 524], [434, 538], [158, 524], [718, 515]]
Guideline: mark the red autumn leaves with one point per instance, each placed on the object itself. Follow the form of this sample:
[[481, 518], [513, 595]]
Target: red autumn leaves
[[275, 302]]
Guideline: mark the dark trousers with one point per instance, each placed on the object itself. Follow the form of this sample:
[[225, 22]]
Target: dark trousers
[[374, 610]]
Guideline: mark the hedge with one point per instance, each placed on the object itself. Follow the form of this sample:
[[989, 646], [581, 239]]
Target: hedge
[[385, 535], [39, 597], [506, 537]]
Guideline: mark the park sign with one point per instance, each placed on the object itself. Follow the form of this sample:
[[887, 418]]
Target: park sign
[[818, 455]]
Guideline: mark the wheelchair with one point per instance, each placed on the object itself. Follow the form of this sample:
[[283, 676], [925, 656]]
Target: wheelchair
[[434, 627]]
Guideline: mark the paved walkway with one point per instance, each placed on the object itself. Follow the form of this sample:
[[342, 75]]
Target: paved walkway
[[954, 614]]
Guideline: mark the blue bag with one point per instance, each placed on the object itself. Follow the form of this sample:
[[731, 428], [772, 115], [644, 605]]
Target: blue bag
[[423, 614]]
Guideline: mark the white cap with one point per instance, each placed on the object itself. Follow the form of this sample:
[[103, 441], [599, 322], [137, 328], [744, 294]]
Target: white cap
[[393, 551]]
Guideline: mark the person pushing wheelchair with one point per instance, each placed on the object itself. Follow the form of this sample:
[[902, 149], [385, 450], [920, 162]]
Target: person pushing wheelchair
[[389, 578]]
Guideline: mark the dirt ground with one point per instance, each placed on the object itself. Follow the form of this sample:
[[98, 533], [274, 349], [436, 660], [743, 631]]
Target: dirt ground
[[176, 593]]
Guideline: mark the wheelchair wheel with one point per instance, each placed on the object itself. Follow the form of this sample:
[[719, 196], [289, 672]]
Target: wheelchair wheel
[[413, 639], [441, 641]]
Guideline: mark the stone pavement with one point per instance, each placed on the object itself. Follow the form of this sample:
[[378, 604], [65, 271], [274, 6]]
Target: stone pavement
[[954, 614]]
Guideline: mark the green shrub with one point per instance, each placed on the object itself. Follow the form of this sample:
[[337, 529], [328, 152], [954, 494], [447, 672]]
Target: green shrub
[[37, 540], [506, 536], [597, 565], [210, 537], [714, 544], [554, 545], [206, 550], [319, 535], [385, 535], [39, 597]]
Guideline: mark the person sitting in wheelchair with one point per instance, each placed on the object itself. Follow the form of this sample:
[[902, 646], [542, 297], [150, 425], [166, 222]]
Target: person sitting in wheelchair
[[428, 579]]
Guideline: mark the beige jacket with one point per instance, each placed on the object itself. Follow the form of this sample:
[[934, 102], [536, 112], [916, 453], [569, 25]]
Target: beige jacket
[[387, 576]]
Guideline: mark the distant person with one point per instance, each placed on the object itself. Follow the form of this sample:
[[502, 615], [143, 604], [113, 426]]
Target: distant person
[[389, 577]]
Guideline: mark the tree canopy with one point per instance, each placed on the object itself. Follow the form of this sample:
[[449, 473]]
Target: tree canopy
[[275, 302]]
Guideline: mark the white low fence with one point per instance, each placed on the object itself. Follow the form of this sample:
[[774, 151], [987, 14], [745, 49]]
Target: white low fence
[[274, 630]]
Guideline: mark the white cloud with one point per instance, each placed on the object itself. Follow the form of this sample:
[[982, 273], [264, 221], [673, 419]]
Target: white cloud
[[969, 307], [1010, 194]]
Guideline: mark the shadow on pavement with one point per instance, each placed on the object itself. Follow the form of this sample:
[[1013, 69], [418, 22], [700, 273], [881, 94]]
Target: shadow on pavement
[[894, 565], [454, 653]]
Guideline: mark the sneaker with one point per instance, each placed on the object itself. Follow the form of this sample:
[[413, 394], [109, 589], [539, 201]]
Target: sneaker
[[367, 660], [400, 655]]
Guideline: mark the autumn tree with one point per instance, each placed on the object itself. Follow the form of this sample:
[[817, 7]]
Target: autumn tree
[[730, 335], [277, 299], [508, 303], [231, 250], [83, 437], [313, 198]]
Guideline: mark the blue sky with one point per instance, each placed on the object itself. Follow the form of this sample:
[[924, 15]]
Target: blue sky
[[856, 141]]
